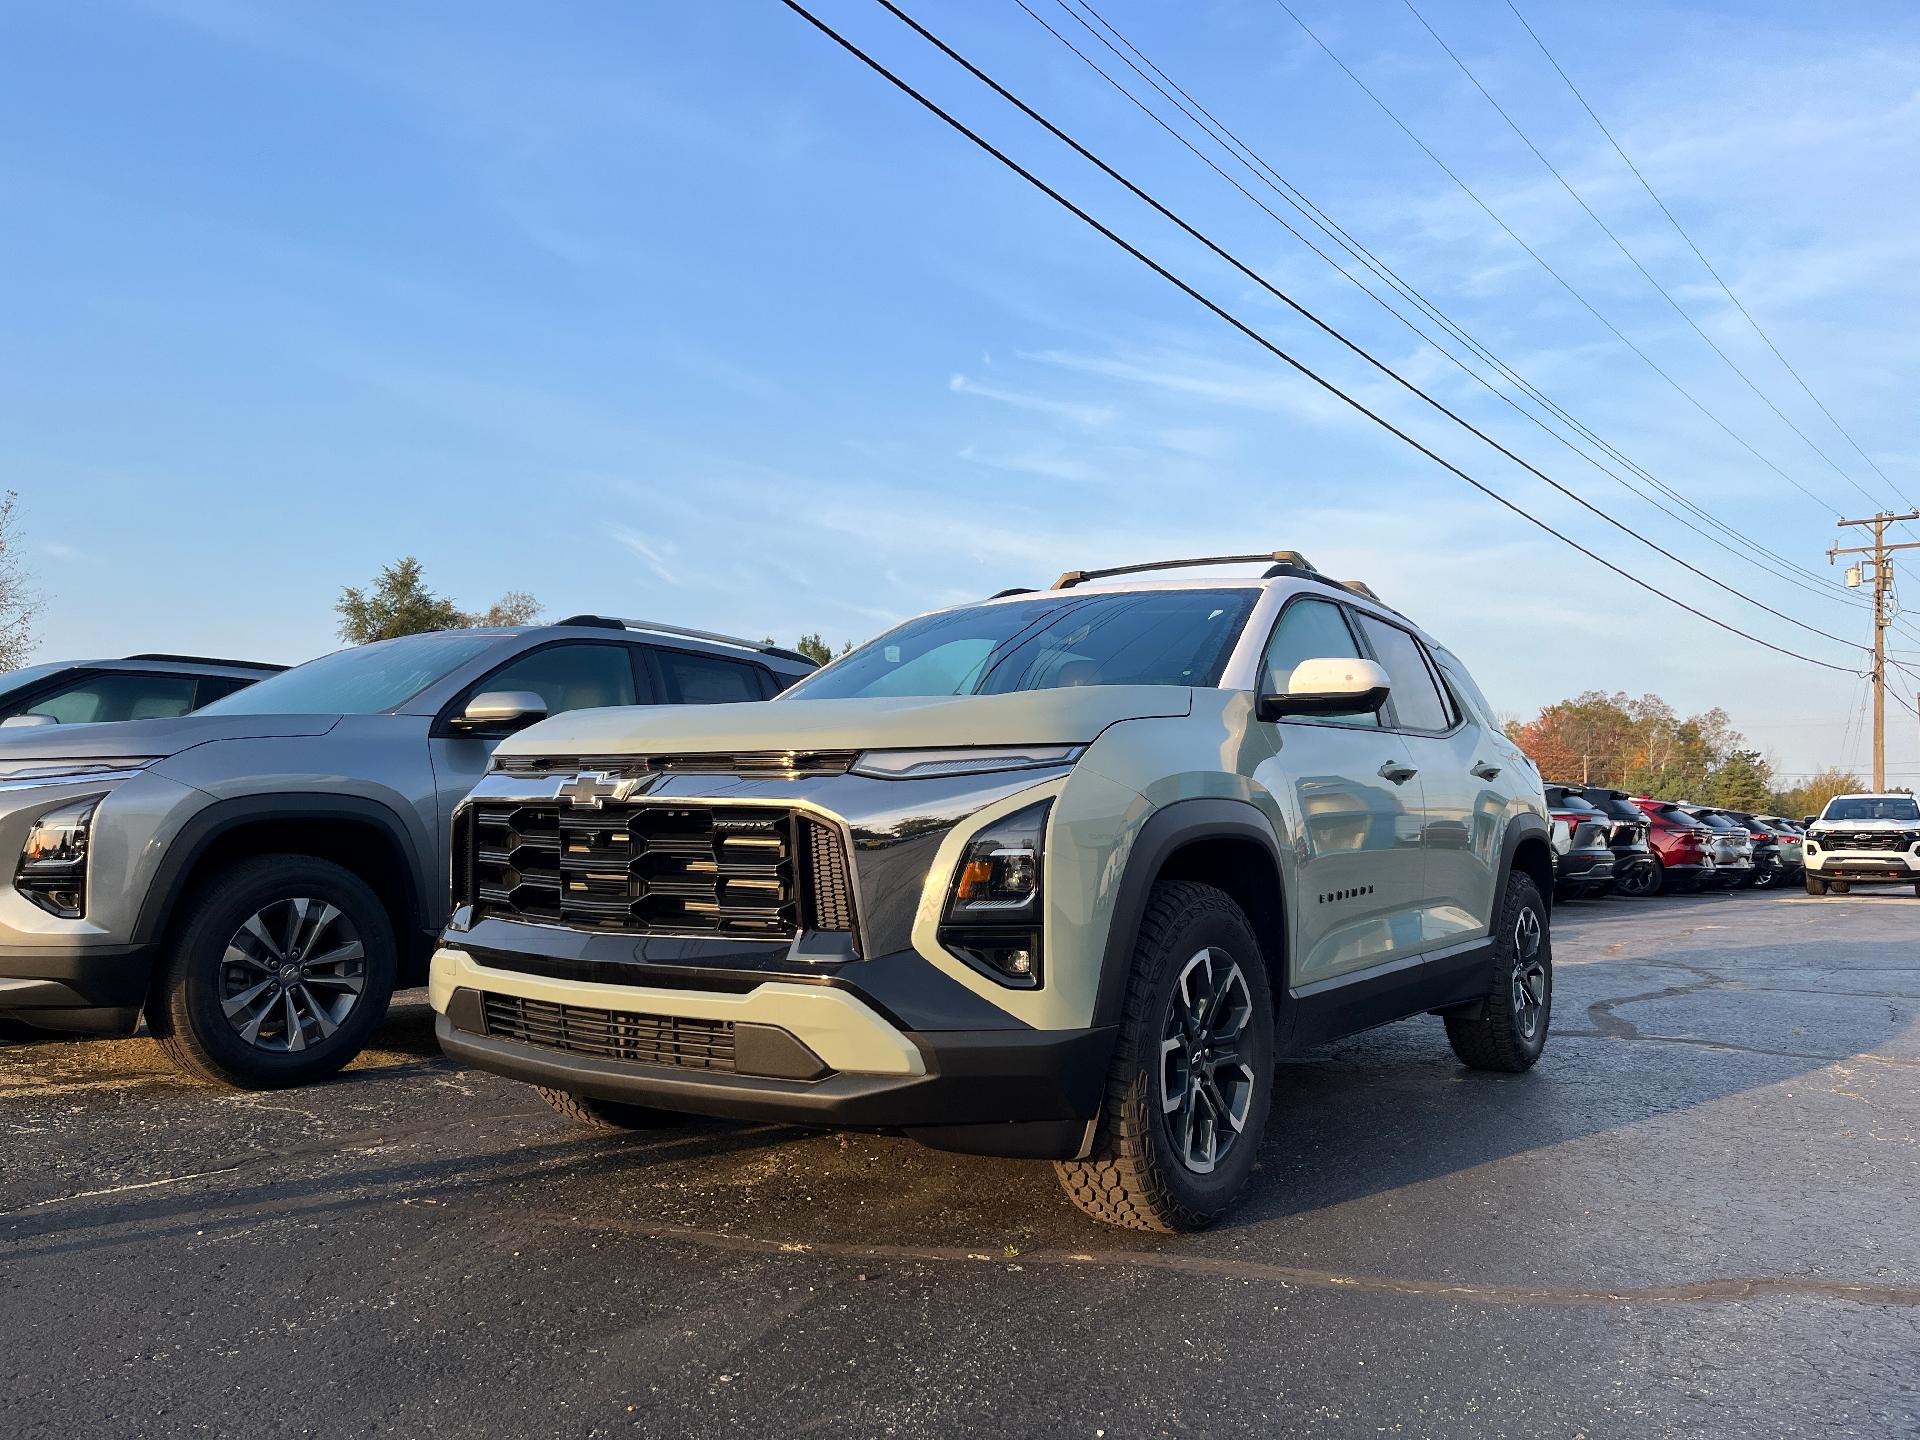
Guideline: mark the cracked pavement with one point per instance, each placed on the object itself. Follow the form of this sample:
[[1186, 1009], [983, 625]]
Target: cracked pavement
[[1700, 1215]]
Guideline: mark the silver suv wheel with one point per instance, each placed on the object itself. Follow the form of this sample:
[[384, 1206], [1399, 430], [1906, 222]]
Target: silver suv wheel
[[1529, 973], [292, 973], [1206, 1085]]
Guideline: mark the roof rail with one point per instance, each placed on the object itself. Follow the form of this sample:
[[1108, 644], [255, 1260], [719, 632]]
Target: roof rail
[[209, 660], [1361, 588], [1285, 562], [1011, 590], [656, 627]]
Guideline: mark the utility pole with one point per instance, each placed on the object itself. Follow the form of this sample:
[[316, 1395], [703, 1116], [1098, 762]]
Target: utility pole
[[1877, 556]]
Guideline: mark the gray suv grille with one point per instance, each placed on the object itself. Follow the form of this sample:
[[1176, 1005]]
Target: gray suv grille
[[749, 872], [612, 1034]]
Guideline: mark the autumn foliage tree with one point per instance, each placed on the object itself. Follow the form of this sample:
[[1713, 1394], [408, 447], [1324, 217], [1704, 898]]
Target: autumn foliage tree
[[399, 603], [1643, 745]]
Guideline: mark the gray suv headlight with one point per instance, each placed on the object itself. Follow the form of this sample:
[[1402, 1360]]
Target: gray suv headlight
[[993, 910], [53, 862]]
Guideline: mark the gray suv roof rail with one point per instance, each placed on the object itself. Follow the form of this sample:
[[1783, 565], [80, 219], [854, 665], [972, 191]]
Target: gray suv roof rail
[[1284, 562], [208, 660], [655, 627]]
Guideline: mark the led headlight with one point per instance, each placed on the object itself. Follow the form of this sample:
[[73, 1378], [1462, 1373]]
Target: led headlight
[[974, 760], [993, 911], [53, 862]]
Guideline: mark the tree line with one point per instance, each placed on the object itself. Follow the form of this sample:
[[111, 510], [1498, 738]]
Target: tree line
[[398, 602], [1643, 745]]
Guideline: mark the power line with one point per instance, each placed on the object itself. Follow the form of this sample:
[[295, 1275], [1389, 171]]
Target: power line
[[1633, 259], [1542, 262], [1291, 194], [1328, 329], [1226, 315], [1680, 230]]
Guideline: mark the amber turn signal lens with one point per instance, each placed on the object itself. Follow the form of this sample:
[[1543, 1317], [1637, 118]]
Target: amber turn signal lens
[[976, 878]]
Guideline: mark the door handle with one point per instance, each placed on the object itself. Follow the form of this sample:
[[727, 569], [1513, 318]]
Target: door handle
[[1396, 772], [1486, 771]]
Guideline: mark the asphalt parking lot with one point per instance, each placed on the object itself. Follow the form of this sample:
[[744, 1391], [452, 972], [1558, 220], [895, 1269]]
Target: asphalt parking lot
[[1699, 1216]]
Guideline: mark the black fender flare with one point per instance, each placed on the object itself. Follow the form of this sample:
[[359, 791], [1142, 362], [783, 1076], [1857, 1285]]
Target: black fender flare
[[1167, 830], [1520, 828], [205, 828]]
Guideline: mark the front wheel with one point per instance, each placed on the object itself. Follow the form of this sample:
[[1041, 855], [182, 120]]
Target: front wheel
[[1840, 887], [1815, 885], [277, 975], [1192, 1074], [1508, 1029]]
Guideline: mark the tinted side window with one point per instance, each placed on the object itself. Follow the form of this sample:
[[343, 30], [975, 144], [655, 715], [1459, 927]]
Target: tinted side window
[[119, 697], [216, 687], [692, 679], [582, 676], [1310, 630], [1417, 701]]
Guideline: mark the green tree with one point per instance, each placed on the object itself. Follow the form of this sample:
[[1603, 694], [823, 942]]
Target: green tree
[[399, 603], [1811, 797], [814, 648], [20, 603], [1743, 781]]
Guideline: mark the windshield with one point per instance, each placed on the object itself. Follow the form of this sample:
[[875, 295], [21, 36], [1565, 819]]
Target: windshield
[[1142, 637], [362, 681], [1872, 807]]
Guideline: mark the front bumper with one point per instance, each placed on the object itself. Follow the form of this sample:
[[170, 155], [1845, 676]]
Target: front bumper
[[1865, 864], [94, 988], [772, 1046]]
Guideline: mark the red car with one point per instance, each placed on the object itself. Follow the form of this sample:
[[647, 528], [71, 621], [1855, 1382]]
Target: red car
[[1682, 846]]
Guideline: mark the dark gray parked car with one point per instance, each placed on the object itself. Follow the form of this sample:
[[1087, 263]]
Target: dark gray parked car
[[140, 687], [257, 877]]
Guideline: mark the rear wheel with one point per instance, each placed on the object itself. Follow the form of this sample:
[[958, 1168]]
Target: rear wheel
[[607, 1114], [1765, 876], [1192, 1075], [1640, 880], [1815, 885], [280, 970], [1508, 1030]]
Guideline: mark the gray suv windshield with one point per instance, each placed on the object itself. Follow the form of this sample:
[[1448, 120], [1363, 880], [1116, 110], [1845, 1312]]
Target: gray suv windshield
[[1155, 637], [362, 681]]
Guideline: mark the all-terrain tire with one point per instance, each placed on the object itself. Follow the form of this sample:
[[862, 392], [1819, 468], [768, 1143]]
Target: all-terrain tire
[[1508, 1029], [1840, 887], [1136, 1174], [187, 1009], [607, 1114], [1815, 885]]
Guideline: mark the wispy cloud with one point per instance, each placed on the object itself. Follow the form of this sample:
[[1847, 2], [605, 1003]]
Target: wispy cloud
[[647, 550], [1087, 416]]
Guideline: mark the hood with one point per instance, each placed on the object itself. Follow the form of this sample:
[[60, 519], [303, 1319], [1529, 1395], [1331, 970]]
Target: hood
[[1871, 825], [1069, 716], [158, 738]]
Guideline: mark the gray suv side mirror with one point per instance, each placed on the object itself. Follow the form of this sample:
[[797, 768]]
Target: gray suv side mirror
[[1329, 687], [500, 712]]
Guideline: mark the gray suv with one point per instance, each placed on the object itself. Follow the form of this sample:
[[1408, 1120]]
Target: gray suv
[[258, 876]]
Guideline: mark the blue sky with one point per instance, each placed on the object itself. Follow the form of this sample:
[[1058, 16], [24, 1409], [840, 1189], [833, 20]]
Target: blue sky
[[677, 311]]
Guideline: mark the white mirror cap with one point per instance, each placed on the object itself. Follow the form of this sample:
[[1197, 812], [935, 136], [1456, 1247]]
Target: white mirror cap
[[22, 722], [504, 705], [1351, 676]]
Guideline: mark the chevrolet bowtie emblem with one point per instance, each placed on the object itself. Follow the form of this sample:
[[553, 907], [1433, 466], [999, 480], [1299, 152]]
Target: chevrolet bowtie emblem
[[590, 788]]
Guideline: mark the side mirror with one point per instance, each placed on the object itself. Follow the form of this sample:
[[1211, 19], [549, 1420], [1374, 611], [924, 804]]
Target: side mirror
[[26, 722], [1329, 687], [1808, 820], [500, 712]]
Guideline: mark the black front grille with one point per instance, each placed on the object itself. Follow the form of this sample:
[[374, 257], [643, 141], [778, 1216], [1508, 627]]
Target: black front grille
[[1866, 840], [612, 1034], [747, 872]]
